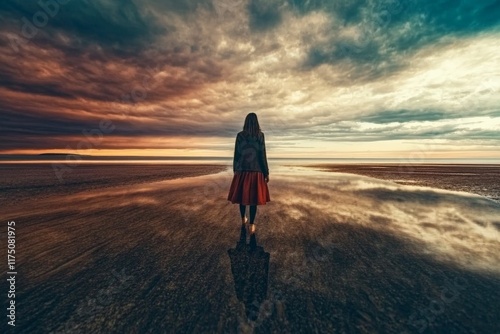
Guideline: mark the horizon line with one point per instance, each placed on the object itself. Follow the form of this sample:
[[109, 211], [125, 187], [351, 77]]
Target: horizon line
[[59, 156]]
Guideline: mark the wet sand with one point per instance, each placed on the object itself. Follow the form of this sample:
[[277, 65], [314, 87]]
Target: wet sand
[[22, 181], [483, 180], [334, 253]]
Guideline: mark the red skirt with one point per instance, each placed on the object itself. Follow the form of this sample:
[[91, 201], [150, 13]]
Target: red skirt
[[248, 188]]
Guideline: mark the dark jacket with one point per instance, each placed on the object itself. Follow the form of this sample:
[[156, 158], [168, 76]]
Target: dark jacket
[[250, 153]]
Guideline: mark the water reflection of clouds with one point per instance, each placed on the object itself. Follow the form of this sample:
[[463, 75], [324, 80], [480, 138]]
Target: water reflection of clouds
[[450, 224], [339, 251], [454, 226], [457, 227]]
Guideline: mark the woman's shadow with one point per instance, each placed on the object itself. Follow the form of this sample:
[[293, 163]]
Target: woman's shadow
[[250, 268]]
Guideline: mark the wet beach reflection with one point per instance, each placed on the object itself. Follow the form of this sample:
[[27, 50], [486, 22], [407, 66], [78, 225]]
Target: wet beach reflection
[[336, 253]]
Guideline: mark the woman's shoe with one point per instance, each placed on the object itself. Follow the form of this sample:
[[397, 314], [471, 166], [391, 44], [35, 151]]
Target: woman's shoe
[[243, 222]]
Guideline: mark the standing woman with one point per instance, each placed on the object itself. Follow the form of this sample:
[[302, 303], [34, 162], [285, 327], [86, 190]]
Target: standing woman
[[251, 173]]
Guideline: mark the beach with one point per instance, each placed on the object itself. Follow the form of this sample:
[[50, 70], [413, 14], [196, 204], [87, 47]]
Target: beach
[[128, 248]]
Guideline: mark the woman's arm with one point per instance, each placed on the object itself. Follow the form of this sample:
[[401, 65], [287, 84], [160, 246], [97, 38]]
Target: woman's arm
[[264, 157], [236, 157]]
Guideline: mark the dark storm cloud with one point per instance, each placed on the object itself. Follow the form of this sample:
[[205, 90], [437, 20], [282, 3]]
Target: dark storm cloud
[[399, 126], [348, 10], [391, 28], [404, 116], [19, 123], [264, 14], [118, 25], [104, 50], [390, 116]]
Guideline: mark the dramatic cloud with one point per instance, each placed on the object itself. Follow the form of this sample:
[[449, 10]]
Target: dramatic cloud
[[326, 78]]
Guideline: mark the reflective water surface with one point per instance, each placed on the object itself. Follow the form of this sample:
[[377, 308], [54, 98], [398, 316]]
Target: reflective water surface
[[332, 252]]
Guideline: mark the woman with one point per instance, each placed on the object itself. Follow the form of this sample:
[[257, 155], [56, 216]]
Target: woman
[[251, 172]]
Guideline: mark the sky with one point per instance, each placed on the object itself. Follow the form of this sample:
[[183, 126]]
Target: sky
[[331, 79]]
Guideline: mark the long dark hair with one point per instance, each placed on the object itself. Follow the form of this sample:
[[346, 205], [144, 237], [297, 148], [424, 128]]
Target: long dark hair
[[251, 125]]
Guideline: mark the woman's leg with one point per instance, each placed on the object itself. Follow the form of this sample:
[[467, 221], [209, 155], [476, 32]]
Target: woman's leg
[[242, 212], [253, 213]]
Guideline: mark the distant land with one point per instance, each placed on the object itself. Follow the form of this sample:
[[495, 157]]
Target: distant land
[[62, 154]]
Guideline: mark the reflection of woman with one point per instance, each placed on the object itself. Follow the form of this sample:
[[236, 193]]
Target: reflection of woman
[[250, 268], [251, 172]]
